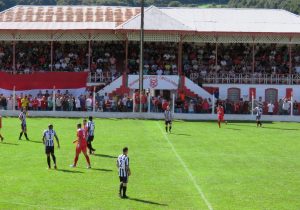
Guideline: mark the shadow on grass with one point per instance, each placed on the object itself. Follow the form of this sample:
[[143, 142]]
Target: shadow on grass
[[283, 129], [180, 134], [235, 129], [69, 171], [101, 169], [147, 202], [104, 156], [37, 142], [9, 143]]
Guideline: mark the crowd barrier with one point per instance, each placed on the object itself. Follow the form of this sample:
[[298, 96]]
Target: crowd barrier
[[158, 116]]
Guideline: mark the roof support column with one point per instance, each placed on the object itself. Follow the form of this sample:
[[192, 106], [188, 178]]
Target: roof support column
[[14, 57], [126, 55], [216, 51], [253, 58], [51, 56], [90, 53], [179, 60], [290, 59]]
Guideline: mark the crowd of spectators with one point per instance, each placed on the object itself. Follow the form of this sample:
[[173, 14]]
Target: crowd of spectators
[[199, 105], [107, 59], [200, 60], [159, 58], [64, 101]]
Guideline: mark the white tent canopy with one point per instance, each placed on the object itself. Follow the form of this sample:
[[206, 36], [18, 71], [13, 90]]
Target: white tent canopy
[[156, 19]]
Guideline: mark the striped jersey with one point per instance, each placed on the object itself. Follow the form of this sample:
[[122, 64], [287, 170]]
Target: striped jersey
[[90, 128], [22, 117], [123, 165], [259, 111], [168, 115], [49, 137]]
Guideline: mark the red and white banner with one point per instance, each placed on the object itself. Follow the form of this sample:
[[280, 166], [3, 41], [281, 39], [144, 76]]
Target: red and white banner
[[74, 82], [158, 82]]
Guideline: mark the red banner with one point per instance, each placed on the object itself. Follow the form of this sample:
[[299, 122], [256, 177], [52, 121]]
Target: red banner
[[289, 93], [252, 92], [41, 80]]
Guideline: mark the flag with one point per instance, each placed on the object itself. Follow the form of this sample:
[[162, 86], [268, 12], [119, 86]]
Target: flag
[[74, 82]]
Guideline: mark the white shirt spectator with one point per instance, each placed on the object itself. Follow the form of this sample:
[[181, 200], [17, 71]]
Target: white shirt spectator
[[286, 105], [159, 72], [89, 102], [57, 66], [77, 103], [270, 107], [58, 102]]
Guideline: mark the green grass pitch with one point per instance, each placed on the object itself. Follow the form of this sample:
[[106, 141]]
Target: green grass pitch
[[198, 166]]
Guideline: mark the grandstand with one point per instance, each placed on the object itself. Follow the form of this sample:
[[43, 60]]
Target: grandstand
[[230, 54]]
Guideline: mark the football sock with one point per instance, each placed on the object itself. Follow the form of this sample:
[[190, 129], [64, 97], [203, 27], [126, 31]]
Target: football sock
[[219, 123], [89, 147], [75, 160], [124, 191], [53, 158], [121, 187], [166, 128], [170, 128], [87, 159], [21, 134], [48, 161], [25, 134]]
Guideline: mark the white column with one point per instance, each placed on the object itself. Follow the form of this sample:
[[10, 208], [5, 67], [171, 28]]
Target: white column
[[94, 99], [173, 103], [213, 104], [53, 99], [149, 102], [292, 104], [133, 101], [252, 103], [14, 98]]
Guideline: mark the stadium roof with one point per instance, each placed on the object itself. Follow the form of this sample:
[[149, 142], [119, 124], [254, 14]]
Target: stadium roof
[[156, 19]]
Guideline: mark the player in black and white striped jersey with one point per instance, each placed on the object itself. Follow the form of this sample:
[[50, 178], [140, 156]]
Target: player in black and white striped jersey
[[168, 119], [90, 134], [123, 171], [22, 118], [48, 141]]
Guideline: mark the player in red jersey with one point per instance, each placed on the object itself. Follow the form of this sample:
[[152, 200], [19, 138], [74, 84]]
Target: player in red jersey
[[220, 112], [84, 122], [81, 146]]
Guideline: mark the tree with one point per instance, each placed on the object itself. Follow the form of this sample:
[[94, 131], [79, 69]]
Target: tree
[[174, 4]]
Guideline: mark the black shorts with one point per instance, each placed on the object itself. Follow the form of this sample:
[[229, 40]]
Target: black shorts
[[123, 179], [49, 149], [23, 126], [90, 138], [258, 117], [169, 122]]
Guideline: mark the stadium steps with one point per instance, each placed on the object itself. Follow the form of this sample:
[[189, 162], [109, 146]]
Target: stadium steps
[[193, 90]]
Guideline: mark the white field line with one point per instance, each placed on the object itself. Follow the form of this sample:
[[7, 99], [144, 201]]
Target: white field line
[[198, 188], [31, 205]]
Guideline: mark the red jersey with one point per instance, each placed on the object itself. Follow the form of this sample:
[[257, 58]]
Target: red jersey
[[85, 127], [81, 136], [220, 111]]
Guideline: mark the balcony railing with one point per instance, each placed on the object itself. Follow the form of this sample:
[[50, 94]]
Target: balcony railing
[[279, 79]]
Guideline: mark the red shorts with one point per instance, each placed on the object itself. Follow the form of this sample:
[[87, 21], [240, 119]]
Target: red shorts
[[221, 117], [81, 148]]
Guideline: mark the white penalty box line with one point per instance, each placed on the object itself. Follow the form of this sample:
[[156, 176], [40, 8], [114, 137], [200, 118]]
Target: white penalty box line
[[198, 188]]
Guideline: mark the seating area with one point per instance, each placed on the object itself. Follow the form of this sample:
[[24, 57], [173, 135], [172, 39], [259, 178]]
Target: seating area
[[106, 60]]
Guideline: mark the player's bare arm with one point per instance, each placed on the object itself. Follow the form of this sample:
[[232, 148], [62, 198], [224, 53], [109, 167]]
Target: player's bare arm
[[57, 140]]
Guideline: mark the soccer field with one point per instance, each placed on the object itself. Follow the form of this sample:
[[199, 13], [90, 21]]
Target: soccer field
[[198, 166]]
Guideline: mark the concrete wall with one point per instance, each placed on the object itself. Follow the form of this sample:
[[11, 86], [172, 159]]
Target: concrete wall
[[260, 90], [130, 115]]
